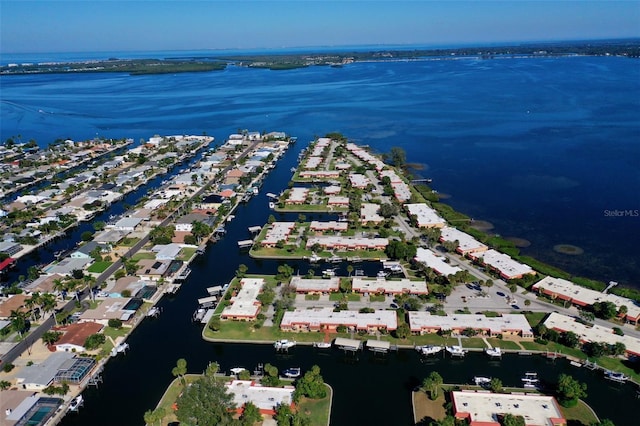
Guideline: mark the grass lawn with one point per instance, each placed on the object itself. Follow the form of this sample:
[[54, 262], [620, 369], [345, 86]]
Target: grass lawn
[[336, 297], [171, 395], [425, 407], [580, 413], [353, 297], [99, 267], [186, 253], [534, 318], [143, 255], [114, 333], [318, 410], [504, 344], [129, 242], [377, 298], [311, 297]]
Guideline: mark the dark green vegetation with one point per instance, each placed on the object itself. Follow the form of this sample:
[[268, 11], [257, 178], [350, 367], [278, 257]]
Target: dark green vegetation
[[131, 66], [628, 48]]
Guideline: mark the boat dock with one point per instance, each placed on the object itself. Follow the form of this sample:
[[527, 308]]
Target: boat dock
[[348, 345], [245, 243], [216, 290], [206, 302], [255, 229], [379, 346]]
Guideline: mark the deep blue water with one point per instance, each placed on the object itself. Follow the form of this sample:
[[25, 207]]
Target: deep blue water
[[541, 148]]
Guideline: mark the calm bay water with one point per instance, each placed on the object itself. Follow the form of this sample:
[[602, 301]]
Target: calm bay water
[[545, 149]]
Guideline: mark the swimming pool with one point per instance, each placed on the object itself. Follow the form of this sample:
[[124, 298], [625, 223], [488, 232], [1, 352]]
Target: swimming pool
[[133, 304], [146, 292]]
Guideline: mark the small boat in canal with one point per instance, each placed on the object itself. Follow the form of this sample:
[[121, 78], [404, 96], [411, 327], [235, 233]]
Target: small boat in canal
[[322, 345], [429, 349], [615, 376], [292, 373], [494, 352], [284, 344]]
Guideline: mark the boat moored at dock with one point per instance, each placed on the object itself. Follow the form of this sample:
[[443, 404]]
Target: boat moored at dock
[[615, 376], [456, 351], [429, 349], [284, 344]]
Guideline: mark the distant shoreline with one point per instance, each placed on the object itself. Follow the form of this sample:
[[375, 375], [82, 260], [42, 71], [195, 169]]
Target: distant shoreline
[[320, 57]]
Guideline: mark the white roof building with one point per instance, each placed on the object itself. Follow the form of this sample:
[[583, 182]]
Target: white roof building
[[505, 265], [326, 319], [435, 262], [127, 223], [358, 181], [265, 398], [466, 243], [331, 225], [278, 231], [581, 296], [313, 163], [348, 243], [426, 217], [508, 324], [485, 408], [297, 195], [315, 285], [369, 213], [595, 333], [401, 191], [245, 305], [336, 200], [381, 285]]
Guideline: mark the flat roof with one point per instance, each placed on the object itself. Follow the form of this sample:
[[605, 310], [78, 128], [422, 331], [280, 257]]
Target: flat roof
[[426, 216], [297, 195], [369, 212], [42, 374], [278, 231], [245, 303], [505, 264], [381, 285], [507, 322], [435, 262], [378, 344], [349, 343], [347, 242], [315, 284], [264, 397], [595, 333], [537, 410], [465, 241], [584, 295], [319, 316]]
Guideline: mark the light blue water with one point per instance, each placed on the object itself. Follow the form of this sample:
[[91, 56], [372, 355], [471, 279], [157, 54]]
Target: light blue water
[[542, 148]]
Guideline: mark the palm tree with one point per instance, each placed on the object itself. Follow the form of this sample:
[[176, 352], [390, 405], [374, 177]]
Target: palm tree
[[180, 369], [48, 303], [19, 321], [432, 383]]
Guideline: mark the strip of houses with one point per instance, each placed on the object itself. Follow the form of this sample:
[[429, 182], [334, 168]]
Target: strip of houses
[[315, 285], [558, 288], [503, 264], [512, 325], [466, 243], [245, 305], [325, 319], [278, 231], [435, 262], [331, 242], [424, 216], [388, 287], [592, 333], [481, 408]]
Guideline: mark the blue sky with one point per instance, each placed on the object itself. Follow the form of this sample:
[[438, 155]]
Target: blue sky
[[85, 25]]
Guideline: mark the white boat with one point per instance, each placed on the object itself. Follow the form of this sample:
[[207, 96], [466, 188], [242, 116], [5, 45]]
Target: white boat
[[153, 312], [292, 373], [615, 376], [272, 205], [284, 344], [481, 381], [237, 370], [382, 274], [530, 380], [314, 258], [122, 347], [429, 349], [456, 350], [494, 352], [322, 345], [328, 273], [76, 403], [335, 259]]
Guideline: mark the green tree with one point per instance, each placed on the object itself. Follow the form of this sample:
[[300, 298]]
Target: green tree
[[180, 370], [4, 385], [205, 403], [50, 337], [86, 236], [398, 157], [432, 384], [212, 369], [511, 420], [388, 210], [115, 323], [242, 270], [250, 414], [270, 377], [19, 321], [605, 310], [403, 331], [312, 384], [98, 225], [495, 385], [94, 341], [570, 390]]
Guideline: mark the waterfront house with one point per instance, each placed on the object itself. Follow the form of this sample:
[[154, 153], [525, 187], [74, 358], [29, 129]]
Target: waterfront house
[[424, 216], [166, 251], [75, 335], [508, 268], [278, 231], [127, 224], [482, 408], [325, 319], [67, 265], [244, 305], [266, 398], [315, 285], [36, 377], [153, 269], [507, 325], [10, 248], [466, 243], [297, 196], [592, 333], [557, 288], [331, 242], [111, 308]]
